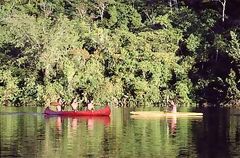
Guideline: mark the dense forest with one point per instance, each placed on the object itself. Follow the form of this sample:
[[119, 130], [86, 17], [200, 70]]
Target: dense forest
[[127, 52]]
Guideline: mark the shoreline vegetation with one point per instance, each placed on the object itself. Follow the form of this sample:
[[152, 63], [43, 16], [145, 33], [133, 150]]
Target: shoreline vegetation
[[127, 53]]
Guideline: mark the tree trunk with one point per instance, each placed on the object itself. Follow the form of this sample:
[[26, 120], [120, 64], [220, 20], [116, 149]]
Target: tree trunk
[[223, 2]]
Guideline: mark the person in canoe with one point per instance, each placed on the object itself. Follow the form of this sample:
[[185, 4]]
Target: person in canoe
[[60, 105], [173, 106], [74, 104], [90, 105]]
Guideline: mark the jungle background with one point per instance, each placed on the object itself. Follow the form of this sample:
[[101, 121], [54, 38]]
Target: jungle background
[[126, 52]]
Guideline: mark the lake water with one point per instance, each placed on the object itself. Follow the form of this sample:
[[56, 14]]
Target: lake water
[[25, 132]]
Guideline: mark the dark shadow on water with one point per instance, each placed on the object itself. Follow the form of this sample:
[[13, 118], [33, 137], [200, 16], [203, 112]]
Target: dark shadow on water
[[212, 137]]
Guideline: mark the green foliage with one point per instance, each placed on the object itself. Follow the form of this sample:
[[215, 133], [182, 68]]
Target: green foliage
[[164, 21], [235, 47], [183, 89], [209, 18], [9, 89], [134, 53], [193, 42], [123, 16], [233, 93]]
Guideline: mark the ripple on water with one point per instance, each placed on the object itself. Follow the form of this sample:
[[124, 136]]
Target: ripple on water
[[28, 135]]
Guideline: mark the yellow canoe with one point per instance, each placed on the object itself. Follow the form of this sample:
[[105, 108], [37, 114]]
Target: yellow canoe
[[165, 114]]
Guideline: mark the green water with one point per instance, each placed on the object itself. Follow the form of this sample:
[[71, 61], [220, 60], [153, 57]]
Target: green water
[[25, 132]]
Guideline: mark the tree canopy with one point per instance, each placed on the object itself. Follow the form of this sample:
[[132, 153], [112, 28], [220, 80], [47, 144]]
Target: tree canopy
[[134, 52]]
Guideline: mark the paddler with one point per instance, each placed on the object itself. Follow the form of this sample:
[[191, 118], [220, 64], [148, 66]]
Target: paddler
[[74, 104], [59, 106], [173, 106]]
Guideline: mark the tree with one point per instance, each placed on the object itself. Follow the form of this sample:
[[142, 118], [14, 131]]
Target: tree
[[101, 6]]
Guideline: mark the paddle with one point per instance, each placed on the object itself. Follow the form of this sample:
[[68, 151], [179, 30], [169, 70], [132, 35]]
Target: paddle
[[54, 104]]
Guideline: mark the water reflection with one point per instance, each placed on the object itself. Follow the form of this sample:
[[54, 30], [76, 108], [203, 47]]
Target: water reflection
[[172, 124], [217, 134], [76, 136], [59, 124], [75, 121]]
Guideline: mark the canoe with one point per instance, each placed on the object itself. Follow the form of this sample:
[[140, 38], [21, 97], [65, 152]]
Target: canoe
[[139, 117], [101, 112], [165, 114]]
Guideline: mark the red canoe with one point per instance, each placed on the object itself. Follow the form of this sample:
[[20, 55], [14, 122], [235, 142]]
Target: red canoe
[[102, 112]]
